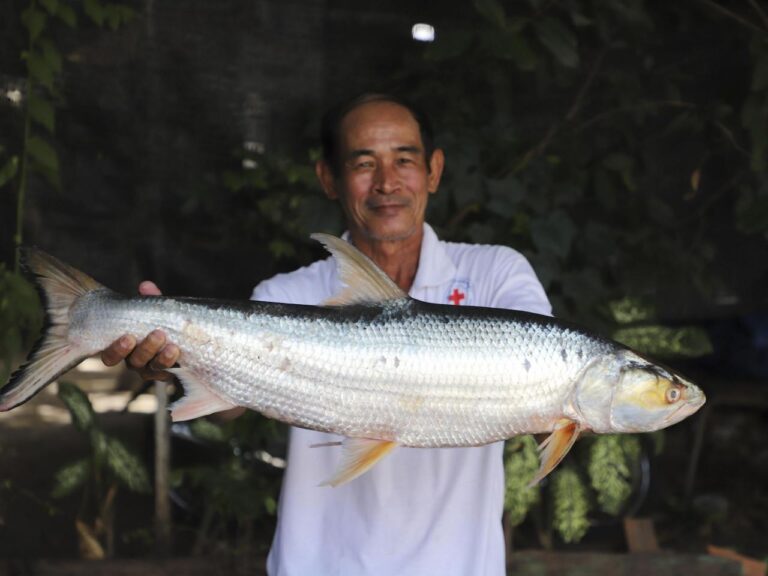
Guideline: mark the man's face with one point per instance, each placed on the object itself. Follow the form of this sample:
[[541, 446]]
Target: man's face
[[384, 180]]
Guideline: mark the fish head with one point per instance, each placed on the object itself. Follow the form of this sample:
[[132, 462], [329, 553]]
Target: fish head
[[623, 392], [650, 397]]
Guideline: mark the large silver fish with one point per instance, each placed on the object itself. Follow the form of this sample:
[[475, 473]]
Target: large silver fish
[[373, 365]]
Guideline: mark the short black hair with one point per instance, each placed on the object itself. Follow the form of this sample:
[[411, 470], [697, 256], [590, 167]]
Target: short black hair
[[331, 125]]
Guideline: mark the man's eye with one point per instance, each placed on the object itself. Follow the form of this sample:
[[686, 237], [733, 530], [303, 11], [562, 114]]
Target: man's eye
[[405, 160]]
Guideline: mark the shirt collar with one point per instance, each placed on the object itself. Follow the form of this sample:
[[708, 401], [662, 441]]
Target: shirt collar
[[435, 267]]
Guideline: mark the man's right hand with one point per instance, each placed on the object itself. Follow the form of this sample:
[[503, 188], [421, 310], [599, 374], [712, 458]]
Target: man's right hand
[[151, 356]]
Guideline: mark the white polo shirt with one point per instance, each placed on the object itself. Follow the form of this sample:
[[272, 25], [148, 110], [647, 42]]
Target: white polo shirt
[[419, 511]]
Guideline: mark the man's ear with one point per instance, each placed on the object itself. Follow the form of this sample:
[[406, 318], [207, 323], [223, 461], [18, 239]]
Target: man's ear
[[436, 164], [327, 179]]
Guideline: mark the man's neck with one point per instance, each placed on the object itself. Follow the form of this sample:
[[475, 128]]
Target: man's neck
[[399, 259]]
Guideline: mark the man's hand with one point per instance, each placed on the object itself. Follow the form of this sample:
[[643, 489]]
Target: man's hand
[[151, 356]]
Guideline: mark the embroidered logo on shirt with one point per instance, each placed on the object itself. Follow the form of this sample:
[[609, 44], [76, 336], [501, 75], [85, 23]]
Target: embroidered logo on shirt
[[458, 294]]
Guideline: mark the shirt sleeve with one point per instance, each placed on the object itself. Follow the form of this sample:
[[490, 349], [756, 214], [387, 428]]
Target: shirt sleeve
[[518, 286]]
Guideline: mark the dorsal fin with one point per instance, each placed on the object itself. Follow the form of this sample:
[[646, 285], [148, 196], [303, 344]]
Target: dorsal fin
[[365, 282]]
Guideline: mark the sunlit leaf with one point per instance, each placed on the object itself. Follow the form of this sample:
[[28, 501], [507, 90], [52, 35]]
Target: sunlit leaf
[[206, 430], [630, 310], [688, 342], [71, 477], [521, 461], [571, 505], [78, 405], [126, 466], [609, 471]]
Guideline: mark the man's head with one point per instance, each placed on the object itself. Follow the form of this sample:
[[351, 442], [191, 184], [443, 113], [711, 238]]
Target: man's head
[[330, 127], [377, 164]]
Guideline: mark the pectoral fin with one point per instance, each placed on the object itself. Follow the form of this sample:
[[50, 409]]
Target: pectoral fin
[[555, 447], [198, 400], [359, 455]]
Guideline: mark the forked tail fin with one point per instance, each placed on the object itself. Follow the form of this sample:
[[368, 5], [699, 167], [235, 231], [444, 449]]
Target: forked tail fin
[[60, 286]]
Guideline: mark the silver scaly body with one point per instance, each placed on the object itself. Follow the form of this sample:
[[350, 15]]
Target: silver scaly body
[[419, 374], [373, 365]]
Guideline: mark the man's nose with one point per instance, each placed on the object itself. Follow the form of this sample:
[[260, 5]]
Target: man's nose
[[386, 178]]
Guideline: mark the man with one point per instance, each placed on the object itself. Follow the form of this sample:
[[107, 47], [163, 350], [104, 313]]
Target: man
[[418, 511]]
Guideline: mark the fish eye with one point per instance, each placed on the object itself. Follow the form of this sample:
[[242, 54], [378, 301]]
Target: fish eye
[[673, 395]]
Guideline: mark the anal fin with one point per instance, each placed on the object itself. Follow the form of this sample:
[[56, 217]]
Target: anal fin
[[198, 399], [359, 455], [555, 447]]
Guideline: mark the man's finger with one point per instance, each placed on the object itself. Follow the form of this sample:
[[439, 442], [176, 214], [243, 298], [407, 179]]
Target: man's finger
[[118, 350], [147, 349], [149, 288], [167, 357]]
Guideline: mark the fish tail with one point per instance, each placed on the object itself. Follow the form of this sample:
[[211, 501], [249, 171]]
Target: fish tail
[[59, 286]]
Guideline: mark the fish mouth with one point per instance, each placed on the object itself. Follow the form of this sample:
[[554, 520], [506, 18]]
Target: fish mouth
[[687, 407]]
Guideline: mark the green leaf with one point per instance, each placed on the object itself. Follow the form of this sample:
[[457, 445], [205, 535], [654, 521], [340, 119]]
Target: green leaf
[[34, 20], [51, 55], [504, 196], [117, 14], [52, 176], [41, 112], [492, 10], [685, 341], [126, 466], [43, 153], [95, 11], [559, 40], [521, 457], [39, 69], [9, 170], [281, 249], [67, 15], [52, 6], [207, 430], [554, 233], [609, 471], [571, 505], [78, 405], [70, 477]]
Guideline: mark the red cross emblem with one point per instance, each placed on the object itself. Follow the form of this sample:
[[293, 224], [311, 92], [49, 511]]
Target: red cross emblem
[[456, 297]]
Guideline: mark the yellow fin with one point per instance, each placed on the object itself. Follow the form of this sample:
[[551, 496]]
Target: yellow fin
[[359, 456], [555, 447], [366, 282]]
